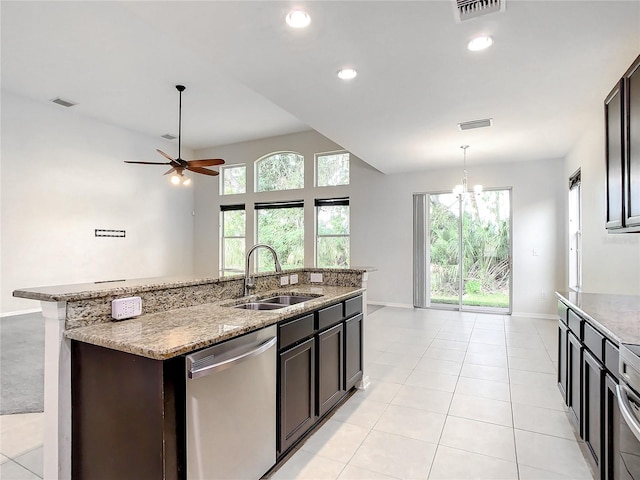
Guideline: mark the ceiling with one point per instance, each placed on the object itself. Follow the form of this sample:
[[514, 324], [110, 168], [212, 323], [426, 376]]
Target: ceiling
[[250, 76]]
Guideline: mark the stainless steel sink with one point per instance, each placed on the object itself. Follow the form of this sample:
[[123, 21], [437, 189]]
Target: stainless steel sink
[[285, 300], [259, 306]]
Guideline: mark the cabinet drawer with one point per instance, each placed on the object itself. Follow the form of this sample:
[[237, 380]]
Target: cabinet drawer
[[611, 357], [352, 306], [295, 330], [562, 312], [575, 323], [329, 316], [594, 341]]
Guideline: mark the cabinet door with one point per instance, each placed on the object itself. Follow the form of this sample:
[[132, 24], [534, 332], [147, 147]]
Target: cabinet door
[[562, 359], [592, 389], [632, 150], [611, 427], [574, 380], [614, 156], [330, 368], [296, 392], [352, 351]]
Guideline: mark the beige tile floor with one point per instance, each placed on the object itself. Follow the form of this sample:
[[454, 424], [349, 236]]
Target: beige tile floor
[[452, 396]]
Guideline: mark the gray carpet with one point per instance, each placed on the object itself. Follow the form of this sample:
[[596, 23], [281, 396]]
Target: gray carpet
[[22, 364]]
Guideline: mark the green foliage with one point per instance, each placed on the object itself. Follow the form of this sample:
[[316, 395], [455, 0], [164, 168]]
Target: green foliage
[[283, 229], [333, 169], [485, 244], [234, 179], [280, 171]]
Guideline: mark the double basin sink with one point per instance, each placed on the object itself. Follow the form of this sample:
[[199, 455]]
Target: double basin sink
[[273, 303]]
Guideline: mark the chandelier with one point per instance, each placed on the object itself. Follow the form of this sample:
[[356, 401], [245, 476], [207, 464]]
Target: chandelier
[[462, 189]]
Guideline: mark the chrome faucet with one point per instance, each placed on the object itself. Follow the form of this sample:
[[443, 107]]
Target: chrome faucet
[[248, 283]]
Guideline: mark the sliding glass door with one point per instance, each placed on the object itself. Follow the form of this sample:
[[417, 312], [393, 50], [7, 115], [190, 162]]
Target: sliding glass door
[[466, 254]]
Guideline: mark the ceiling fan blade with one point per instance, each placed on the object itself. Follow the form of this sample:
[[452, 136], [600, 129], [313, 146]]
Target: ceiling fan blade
[[148, 163], [208, 162], [204, 171], [164, 154], [169, 171]]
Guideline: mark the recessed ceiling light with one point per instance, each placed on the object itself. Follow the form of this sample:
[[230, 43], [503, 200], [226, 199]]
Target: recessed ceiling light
[[347, 73], [480, 43], [298, 19]]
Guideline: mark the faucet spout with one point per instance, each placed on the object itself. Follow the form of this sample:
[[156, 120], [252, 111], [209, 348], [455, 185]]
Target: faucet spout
[[248, 284]]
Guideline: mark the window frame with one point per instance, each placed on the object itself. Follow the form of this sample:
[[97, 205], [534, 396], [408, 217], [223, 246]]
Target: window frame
[[276, 205], [316, 162], [256, 173], [327, 202], [223, 209], [225, 168], [574, 203]]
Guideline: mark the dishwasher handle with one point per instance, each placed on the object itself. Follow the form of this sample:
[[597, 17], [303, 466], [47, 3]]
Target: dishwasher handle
[[624, 403], [211, 364]]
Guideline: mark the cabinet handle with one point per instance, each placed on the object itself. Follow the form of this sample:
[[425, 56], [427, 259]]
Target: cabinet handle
[[624, 402], [208, 365]]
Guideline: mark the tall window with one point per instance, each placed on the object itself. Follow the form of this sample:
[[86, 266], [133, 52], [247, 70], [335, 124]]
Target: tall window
[[332, 232], [332, 169], [233, 179], [281, 225], [280, 171], [575, 232], [232, 241]]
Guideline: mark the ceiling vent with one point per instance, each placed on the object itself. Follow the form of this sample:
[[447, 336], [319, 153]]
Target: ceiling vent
[[168, 136], [63, 102], [466, 9], [485, 122]]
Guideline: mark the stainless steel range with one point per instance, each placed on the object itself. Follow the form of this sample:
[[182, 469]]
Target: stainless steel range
[[628, 392]]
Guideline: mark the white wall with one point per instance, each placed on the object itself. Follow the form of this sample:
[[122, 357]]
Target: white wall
[[381, 217], [610, 262], [62, 176]]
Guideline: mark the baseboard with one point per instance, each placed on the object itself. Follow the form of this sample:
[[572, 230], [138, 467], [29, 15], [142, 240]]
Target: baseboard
[[20, 312], [549, 316], [387, 304]]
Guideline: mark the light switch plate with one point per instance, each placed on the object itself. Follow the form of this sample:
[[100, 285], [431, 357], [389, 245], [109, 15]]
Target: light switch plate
[[122, 308], [316, 278], [284, 281], [293, 278]]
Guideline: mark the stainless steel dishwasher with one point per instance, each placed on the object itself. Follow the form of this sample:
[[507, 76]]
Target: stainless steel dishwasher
[[231, 408]]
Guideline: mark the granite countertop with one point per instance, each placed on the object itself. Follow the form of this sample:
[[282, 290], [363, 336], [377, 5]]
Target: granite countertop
[[616, 316], [164, 335], [84, 291]]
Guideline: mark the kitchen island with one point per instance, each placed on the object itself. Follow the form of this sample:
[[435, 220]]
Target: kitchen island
[[184, 314]]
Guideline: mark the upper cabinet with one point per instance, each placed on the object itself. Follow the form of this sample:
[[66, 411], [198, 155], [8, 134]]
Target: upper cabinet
[[622, 153]]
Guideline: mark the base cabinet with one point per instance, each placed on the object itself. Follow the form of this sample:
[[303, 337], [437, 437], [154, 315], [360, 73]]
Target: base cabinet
[[592, 402], [297, 392], [320, 361], [587, 379]]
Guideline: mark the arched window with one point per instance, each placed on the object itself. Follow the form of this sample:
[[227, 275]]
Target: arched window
[[280, 171]]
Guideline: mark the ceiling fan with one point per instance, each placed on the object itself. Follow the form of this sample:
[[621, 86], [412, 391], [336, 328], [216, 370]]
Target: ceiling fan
[[178, 165]]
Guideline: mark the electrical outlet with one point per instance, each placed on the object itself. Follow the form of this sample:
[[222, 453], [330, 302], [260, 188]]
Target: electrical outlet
[[543, 295], [122, 308], [284, 281], [316, 278], [293, 278]]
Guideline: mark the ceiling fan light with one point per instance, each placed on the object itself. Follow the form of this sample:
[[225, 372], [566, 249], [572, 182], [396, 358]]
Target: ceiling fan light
[[458, 190], [477, 188], [298, 19], [175, 179], [186, 182]]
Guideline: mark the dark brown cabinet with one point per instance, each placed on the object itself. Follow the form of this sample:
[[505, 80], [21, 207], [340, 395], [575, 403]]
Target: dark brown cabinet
[[574, 380], [320, 361], [331, 368], [297, 392], [622, 153], [592, 390], [587, 378], [353, 351]]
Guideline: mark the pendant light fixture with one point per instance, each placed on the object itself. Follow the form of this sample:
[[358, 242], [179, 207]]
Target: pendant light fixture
[[462, 189]]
